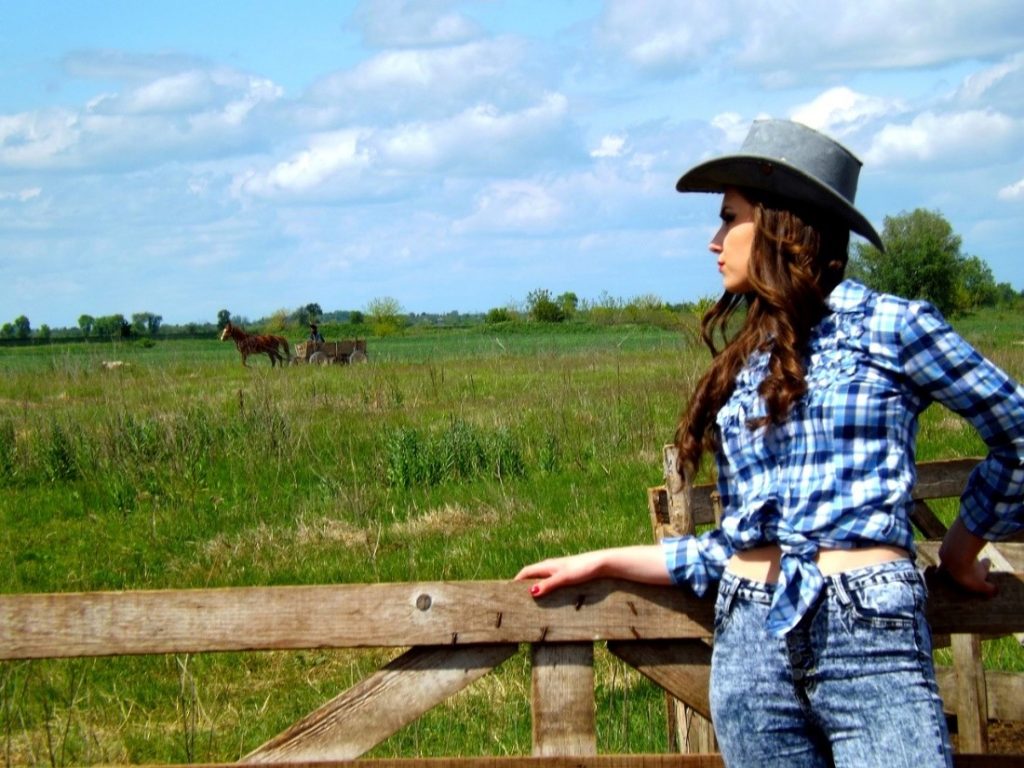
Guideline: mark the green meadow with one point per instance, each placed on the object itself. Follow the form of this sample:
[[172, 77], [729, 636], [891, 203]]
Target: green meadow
[[452, 454]]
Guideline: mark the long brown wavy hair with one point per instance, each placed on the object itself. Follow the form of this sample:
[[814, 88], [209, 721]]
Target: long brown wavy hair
[[797, 257]]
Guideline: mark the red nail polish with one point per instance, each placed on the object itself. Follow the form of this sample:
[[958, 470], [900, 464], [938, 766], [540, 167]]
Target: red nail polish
[[534, 589]]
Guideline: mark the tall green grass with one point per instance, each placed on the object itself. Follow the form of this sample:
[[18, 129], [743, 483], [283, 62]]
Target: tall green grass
[[458, 454]]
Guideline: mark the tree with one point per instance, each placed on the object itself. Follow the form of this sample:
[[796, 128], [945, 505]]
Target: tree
[[43, 334], [977, 286], [568, 302], [146, 323], [7, 331], [921, 261], [541, 308], [223, 318], [22, 327], [385, 315], [112, 326], [356, 317], [309, 313], [86, 323]]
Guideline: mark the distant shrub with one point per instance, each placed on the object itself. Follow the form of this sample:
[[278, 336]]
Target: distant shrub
[[497, 315]]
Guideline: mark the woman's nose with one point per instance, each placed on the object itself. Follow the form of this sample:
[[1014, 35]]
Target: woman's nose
[[715, 246]]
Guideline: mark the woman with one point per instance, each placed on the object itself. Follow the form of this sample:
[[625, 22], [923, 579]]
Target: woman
[[822, 654]]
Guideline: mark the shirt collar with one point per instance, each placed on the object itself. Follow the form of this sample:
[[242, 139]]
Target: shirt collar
[[847, 296]]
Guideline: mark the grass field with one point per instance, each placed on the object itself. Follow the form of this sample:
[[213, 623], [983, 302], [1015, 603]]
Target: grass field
[[452, 454]]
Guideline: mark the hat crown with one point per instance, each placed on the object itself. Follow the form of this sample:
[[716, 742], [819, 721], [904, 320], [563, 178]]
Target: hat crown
[[805, 150], [789, 162]]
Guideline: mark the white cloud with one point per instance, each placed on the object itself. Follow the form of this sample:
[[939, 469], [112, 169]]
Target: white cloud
[[22, 195], [184, 116], [328, 156], [840, 110], [512, 207], [667, 35], [1002, 83], [610, 146], [478, 139], [426, 81], [401, 23], [1012, 192], [733, 125], [792, 42], [950, 139], [37, 139]]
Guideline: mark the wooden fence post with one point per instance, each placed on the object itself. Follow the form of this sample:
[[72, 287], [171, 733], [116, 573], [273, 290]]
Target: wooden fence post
[[563, 707], [689, 732]]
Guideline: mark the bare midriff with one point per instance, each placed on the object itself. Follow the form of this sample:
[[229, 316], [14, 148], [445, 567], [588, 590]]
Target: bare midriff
[[762, 563]]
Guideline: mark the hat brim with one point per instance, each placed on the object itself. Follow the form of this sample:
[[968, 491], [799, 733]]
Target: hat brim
[[779, 179]]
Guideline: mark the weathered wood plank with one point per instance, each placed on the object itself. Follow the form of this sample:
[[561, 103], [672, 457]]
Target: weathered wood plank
[[681, 667], [340, 616], [943, 479], [514, 761], [926, 520], [689, 730], [404, 614], [597, 761], [562, 699], [1005, 692], [972, 699], [371, 711], [951, 609]]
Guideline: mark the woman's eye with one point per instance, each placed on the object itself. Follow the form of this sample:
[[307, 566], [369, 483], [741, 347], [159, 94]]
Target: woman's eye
[[728, 218]]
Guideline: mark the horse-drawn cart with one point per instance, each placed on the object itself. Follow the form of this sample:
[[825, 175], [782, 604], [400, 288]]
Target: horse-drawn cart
[[331, 352]]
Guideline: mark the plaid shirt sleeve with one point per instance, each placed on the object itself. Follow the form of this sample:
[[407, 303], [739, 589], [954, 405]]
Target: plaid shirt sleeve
[[697, 560], [948, 370]]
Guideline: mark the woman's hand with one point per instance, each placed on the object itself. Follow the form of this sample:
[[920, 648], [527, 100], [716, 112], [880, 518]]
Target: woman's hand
[[958, 557], [645, 564], [558, 572]]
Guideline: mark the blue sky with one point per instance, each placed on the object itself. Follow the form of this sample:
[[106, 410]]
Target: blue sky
[[184, 157]]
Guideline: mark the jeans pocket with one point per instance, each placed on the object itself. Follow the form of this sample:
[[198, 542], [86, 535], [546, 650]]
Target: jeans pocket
[[891, 603], [723, 606]]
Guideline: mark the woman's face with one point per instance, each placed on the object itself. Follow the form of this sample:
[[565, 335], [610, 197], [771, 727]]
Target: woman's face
[[733, 241]]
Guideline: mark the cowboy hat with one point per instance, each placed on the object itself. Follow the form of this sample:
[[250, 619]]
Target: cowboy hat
[[792, 162]]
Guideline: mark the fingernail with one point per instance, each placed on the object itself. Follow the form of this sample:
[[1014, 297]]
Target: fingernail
[[535, 589]]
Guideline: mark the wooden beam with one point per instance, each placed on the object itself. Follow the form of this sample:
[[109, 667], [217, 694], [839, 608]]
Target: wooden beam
[[681, 667], [972, 699], [341, 616], [562, 699], [951, 609], [515, 761], [404, 614], [1005, 691], [391, 698], [596, 761]]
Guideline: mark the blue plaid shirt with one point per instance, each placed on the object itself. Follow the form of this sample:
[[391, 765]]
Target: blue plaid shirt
[[839, 471]]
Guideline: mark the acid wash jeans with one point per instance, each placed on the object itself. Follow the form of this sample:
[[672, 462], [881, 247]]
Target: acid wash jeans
[[852, 685]]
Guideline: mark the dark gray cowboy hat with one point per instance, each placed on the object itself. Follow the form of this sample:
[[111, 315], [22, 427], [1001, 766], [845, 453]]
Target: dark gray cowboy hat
[[792, 162]]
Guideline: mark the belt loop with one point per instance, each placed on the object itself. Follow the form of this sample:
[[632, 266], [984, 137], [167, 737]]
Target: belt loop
[[838, 581], [727, 589]]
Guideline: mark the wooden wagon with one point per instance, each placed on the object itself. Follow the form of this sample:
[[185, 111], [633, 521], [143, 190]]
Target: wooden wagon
[[331, 352]]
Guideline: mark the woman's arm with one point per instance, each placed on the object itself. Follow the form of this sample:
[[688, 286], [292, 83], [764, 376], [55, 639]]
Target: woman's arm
[[959, 558], [642, 563]]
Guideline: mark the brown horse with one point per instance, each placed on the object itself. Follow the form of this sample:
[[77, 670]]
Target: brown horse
[[250, 344]]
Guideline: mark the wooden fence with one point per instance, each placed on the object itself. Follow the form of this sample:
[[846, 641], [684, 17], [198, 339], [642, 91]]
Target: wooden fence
[[456, 632]]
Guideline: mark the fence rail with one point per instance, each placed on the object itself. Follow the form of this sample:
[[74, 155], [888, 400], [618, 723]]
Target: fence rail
[[457, 632]]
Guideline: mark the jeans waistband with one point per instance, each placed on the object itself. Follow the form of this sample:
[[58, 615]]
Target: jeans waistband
[[760, 592]]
